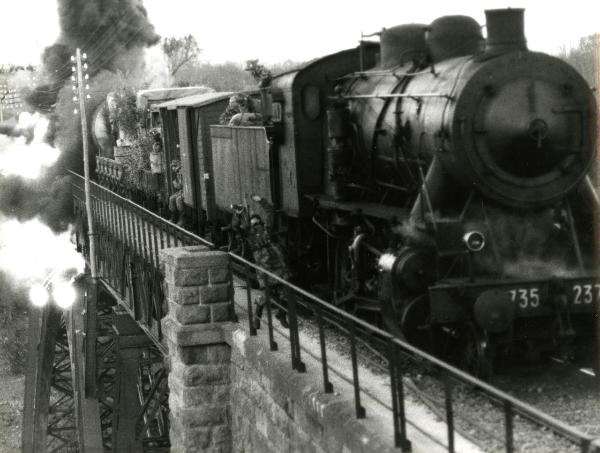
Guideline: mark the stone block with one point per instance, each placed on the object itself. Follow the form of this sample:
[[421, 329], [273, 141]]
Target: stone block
[[207, 415], [301, 442], [220, 311], [219, 275], [212, 354], [221, 435], [190, 314], [308, 422], [186, 276], [219, 292], [188, 439], [183, 295], [193, 375], [279, 438], [192, 334], [198, 395], [260, 443], [279, 416], [191, 256]]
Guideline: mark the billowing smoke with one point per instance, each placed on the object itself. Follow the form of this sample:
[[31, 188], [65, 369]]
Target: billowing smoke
[[113, 34]]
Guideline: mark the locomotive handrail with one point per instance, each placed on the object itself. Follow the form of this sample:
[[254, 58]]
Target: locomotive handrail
[[384, 73], [393, 95], [129, 231]]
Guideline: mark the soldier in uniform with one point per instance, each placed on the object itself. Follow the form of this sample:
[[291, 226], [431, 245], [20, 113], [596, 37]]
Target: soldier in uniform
[[266, 253], [176, 207]]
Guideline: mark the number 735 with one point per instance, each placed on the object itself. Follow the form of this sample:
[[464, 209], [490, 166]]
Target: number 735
[[525, 297]]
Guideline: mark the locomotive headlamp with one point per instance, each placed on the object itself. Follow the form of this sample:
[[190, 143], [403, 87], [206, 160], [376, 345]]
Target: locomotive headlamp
[[38, 295], [64, 294], [474, 240]]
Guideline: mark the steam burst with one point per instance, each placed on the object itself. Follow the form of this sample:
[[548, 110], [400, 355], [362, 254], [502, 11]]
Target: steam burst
[[530, 244], [17, 157], [30, 252]]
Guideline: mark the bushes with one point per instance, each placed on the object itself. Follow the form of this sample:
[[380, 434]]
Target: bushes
[[138, 160], [13, 328]]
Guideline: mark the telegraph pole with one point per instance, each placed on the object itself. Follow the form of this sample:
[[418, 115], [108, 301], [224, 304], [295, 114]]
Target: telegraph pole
[[86, 159], [87, 415]]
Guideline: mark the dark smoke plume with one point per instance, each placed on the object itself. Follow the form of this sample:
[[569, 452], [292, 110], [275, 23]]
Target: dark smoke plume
[[113, 34]]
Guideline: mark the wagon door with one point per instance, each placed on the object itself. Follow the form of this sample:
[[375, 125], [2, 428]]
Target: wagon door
[[242, 164]]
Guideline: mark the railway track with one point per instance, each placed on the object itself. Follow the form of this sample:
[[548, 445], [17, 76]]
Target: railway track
[[566, 390]]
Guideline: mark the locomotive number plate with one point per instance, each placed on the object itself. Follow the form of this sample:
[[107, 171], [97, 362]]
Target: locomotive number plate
[[579, 294], [525, 297], [584, 294]]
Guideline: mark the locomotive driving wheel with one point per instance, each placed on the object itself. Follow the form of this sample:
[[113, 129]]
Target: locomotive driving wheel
[[414, 323], [475, 354]]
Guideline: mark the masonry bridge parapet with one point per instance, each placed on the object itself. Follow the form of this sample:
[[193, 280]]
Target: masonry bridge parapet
[[228, 390]]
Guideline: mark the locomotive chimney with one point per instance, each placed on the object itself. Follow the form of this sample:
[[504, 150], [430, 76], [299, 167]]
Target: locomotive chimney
[[505, 30]]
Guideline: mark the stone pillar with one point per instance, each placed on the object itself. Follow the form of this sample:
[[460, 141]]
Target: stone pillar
[[200, 297]]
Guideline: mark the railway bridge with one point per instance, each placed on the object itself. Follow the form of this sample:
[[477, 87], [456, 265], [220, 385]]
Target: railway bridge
[[158, 354]]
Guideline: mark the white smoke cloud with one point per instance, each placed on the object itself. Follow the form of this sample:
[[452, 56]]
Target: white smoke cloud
[[156, 74], [20, 158], [30, 252]]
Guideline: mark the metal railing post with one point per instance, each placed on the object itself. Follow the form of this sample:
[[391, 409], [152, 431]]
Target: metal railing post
[[449, 411], [327, 385], [290, 298], [397, 388], [360, 410], [249, 300], [508, 425], [272, 343]]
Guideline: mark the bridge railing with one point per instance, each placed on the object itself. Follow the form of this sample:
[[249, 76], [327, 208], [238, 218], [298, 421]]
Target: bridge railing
[[129, 239]]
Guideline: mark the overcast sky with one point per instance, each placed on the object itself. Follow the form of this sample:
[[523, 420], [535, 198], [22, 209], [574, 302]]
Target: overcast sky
[[273, 31]]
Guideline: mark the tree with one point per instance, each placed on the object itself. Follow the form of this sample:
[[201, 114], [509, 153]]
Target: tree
[[259, 72], [581, 57], [227, 76], [180, 51]]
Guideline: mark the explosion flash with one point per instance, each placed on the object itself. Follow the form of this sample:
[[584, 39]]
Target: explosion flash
[[20, 158], [30, 251]]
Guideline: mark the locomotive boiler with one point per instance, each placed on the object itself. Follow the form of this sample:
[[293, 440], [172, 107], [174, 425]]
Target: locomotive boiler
[[436, 182]]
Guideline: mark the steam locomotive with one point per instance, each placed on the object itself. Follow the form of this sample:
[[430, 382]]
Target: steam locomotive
[[434, 180]]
